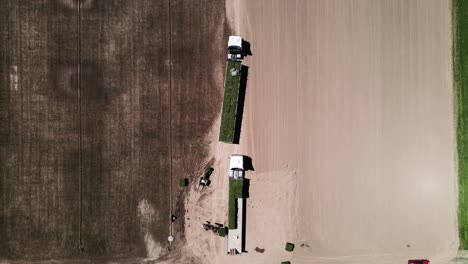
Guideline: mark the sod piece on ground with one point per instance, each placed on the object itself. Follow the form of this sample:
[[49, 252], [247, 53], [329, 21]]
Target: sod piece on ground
[[236, 190], [231, 95], [183, 182], [289, 247], [460, 70]]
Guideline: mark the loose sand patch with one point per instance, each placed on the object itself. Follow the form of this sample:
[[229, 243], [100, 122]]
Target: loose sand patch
[[349, 117]]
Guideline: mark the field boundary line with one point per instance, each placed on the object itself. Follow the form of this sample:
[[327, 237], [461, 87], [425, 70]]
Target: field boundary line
[[170, 118], [80, 136]]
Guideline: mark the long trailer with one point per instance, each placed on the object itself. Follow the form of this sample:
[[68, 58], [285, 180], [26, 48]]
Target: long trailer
[[232, 83], [236, 217]]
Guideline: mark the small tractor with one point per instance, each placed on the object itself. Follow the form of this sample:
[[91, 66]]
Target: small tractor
[[205, 179]]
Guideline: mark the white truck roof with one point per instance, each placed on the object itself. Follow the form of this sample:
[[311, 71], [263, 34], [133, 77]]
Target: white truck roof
[[236, 162], [235, 41]]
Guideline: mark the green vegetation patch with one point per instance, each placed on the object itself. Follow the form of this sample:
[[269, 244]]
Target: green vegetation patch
[[183, 182], [289, 247], [236, 190], [231, 95], [460, 69], [222, 231]]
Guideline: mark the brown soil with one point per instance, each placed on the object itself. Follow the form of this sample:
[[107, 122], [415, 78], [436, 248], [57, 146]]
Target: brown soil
[[88, 155]]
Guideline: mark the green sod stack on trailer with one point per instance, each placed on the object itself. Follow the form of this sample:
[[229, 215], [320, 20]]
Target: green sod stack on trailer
[[236, 190], [231, 95], [460, 65]]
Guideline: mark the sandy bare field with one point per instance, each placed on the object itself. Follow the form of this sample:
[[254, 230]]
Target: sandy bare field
[[349, 121]]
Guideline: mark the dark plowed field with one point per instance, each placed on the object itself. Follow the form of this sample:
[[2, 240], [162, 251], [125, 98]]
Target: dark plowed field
[[103, 107]]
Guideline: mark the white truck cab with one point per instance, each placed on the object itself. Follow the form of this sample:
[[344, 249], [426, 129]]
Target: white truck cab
[[235, 48], [236, 166]]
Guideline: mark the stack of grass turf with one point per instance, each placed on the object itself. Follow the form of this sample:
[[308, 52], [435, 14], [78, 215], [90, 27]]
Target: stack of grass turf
[[223, 232], [231, 95], [236, 190], [183, 182], [289, 247], [460, 62]]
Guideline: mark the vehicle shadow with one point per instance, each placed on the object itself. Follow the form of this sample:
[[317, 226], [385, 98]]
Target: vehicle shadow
[[246, 48], [248, 164], [244, 212], [240, 103]]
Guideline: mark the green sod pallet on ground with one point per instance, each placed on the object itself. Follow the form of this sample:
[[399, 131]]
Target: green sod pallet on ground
[[289, 247], [231, 95], [223, 232], [183, 182]]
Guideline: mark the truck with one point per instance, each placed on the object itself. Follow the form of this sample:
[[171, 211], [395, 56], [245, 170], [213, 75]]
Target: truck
[[232, 83], [236, 205], [236, 167], [235, 48], [418, 261]]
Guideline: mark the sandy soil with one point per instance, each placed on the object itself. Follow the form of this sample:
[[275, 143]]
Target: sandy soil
[[349, 122]]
